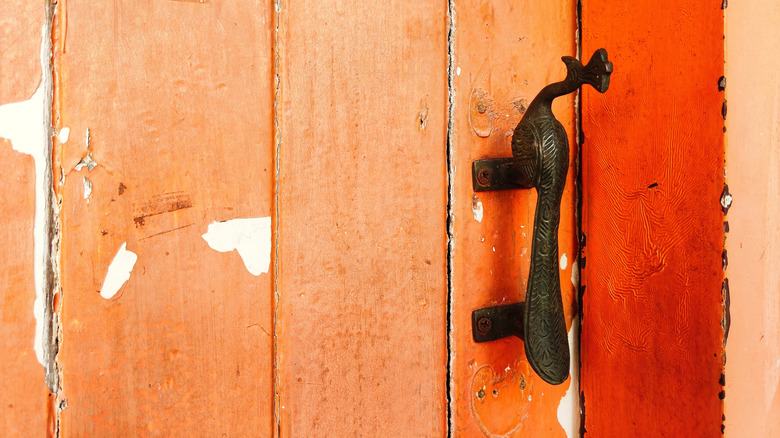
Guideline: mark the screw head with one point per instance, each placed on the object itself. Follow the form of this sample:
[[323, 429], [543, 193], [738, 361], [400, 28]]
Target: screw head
[[484, 325], [481, 108], [484, 176]]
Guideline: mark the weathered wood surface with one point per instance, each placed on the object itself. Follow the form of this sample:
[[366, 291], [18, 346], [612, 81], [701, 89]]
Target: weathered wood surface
[[27, 407], [174, 102], [505, 52], [362, 311], [652, 176]]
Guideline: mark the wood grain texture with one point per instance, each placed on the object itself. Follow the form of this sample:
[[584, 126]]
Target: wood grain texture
[[752, 401], [26, 406], [504, 54], [174, 102], [361, 325], [652, 170]]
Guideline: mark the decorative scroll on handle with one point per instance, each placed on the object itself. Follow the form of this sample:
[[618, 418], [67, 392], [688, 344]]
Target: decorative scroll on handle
[[540, 159]]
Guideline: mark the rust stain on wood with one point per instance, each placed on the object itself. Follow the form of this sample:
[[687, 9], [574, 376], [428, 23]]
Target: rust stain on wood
[[165, 203]]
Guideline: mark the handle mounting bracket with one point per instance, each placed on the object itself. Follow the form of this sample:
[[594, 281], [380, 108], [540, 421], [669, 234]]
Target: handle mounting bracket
[[492, 323], [500, 174]]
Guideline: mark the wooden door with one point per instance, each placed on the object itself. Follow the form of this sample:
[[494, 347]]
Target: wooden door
[[257, 218]]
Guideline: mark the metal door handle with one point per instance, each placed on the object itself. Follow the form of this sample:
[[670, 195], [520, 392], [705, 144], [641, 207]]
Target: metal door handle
[[540, 159]]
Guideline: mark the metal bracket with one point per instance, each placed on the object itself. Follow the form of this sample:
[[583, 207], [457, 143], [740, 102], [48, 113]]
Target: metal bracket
[[491, 323], [500, 174]]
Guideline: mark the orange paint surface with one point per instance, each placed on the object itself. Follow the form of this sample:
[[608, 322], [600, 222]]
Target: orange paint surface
[[652, 342], [177, 113], [362, 310], [504, 55], [25, 403], [753, 162]]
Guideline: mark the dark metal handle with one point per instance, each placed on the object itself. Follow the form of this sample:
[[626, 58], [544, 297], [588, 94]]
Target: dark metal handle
[[540, 150]]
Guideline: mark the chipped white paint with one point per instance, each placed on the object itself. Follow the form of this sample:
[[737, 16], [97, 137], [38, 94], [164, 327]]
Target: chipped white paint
[[27, 125], [457, 71], [63, 135], [87, 188], [569, 407], [575, 274], [118, 271], [86, 161], [476, 208], [564, 261], [725, 200], [250, 237]]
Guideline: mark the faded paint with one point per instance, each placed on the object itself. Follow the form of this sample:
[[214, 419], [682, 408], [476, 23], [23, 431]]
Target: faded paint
[[250, 237], [118, 272], [752, 403], [26, 125]]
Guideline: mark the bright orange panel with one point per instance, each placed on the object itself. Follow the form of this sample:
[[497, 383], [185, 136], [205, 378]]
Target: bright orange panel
[[652, 175], [173, 101], [27, 406], [505, 52], [362, 310]]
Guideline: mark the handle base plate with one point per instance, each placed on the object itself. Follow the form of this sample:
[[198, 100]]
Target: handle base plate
[[497, 322], [500, 174]]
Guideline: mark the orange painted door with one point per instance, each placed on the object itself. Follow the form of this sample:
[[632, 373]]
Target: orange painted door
[[235, 218]]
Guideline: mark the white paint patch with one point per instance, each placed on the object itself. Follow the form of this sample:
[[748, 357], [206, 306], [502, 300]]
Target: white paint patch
[[569, 408], [250, 237], [26, 125], [476, 208], [118, 271], [575, 274], [564, 261], [457, 71], [725, 200], [64, 135], [87, 188]]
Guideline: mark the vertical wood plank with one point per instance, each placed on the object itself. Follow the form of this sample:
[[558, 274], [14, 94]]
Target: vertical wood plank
[[652, 340], [362, 280], [173, 100], [27, 406], [752, 401], [505, 52]]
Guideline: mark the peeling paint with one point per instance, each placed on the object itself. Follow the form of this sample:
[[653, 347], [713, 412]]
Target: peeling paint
[[63, 135], [250, 237], [87, 188], [87, 162], [575, 274], [726, 199], [27, 125], [564, 261], [569, 407], [118, 272], [476, 208]]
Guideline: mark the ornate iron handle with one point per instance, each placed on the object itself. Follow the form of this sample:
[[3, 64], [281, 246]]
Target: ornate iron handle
[[540, 159]]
